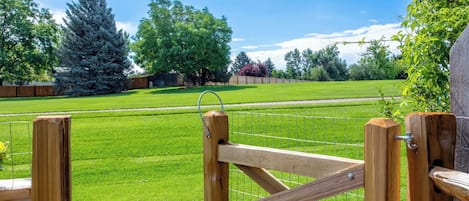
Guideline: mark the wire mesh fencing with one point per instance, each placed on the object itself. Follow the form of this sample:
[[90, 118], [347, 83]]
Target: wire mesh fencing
[[342, 137], [16, 163]]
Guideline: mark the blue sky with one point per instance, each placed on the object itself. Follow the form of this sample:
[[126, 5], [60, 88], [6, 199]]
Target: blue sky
[[270, 28]]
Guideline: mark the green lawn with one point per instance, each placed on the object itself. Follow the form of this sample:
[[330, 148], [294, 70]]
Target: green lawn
[[156, 155], [176, 96]]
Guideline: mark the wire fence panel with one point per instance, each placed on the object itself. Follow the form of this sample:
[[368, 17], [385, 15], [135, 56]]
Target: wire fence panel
[[342, 137], [17, 163]]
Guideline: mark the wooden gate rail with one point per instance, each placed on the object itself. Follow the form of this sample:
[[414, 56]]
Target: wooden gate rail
[[453, 182], [305, 164], [379, 173], [325, 187]]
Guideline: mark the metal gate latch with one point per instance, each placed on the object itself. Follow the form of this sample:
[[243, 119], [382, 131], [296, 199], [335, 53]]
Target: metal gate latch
[[409, 139]]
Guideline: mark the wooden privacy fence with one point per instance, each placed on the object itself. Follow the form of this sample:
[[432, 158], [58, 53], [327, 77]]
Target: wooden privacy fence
[[51, 169], [26, 91], [430, 152], [240, 80]]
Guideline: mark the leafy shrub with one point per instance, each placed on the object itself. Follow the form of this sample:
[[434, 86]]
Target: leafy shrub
[[254, 69]]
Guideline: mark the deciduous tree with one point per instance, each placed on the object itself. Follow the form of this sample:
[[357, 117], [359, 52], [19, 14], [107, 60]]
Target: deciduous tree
[[294, 62], [376, 63], [328, 59], [184, 39], [432, 28], [28, 37]]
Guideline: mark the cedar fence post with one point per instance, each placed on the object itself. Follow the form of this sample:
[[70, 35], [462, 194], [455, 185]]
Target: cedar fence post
[[215, 173], [51, 173], [435, 137], [382, 160]]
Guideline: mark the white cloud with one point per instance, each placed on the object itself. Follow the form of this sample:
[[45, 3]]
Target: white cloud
[[349, 52], [237, 39], [250, 47], [128, 27], [58, 16], [136, 68], [373, 21]]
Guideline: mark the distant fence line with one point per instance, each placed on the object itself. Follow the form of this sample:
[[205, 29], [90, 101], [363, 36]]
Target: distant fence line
[[26, 91], [145, 82], [141, 83], [239, 80], [160, 80]]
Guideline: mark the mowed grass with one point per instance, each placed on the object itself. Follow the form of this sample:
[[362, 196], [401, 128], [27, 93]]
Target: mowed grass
[[177, 96], [157, 155]]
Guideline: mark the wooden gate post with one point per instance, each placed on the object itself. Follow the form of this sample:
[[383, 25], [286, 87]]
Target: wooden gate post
[[215, 173], [435, 137], [382, 160], [51, 173]]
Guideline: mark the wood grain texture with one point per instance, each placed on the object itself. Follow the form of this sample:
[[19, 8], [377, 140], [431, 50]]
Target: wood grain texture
[[312, 165], [382, 160], [16, 195], [459, 78], [435, 136], [264, 179], [51, 176], [453, 182], [324, 187], [216, 173]]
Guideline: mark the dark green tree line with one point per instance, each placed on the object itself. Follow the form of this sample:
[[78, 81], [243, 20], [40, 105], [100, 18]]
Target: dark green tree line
[[376, 63], [322, 65]]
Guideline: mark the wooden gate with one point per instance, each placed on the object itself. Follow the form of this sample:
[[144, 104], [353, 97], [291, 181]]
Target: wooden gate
[[378, 173]]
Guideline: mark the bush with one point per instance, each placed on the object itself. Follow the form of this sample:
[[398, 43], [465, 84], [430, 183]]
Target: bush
[[253, 69]]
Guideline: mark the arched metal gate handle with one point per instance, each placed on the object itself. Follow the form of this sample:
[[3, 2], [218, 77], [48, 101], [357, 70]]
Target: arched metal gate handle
[[200, 110]]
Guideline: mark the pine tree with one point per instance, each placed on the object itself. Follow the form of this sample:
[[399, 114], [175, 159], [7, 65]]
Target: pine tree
[[93, 53], [270, 66], [241, 60]]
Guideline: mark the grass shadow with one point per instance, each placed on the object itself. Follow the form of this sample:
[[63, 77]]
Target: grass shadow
[[124, 93], [180, 90]]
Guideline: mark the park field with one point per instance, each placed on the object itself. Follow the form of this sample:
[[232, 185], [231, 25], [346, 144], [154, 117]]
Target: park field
[[157, 155], [177, 96]]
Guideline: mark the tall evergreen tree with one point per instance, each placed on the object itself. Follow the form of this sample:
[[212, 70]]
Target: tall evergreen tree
[[270, 66], [93, 53], [241, 60]]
